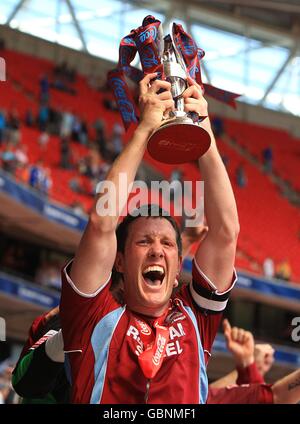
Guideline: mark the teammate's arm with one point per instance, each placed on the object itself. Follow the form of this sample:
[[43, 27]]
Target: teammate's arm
[[97, 250], [287, 389], [240, 344]]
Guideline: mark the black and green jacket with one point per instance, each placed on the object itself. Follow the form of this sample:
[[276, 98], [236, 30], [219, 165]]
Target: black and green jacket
[[36, 378]]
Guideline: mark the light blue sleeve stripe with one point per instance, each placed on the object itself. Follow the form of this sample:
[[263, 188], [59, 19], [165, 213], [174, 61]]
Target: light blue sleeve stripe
[[100, 340], [203, 382]]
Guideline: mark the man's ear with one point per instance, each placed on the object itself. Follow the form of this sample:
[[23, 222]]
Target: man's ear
[[179, 265], [119, 262], [176, 283]]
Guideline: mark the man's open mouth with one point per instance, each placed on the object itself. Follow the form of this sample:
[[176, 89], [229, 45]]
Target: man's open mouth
[[154, 275]]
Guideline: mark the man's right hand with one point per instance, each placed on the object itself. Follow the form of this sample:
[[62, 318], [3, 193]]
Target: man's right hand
[[152, 105]]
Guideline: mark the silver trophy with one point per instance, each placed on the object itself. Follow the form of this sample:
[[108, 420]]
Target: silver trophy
[[180, 138]]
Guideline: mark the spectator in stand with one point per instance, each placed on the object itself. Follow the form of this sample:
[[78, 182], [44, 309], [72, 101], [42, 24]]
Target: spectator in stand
[[103, 170], [176, 179], [8, 156], [2, 125], [76, 128], [109, 103], [78, 208], [64, 77], [217, 126], [268, 267], [82, 166], [22, 168], [45, 183], [13, 126], [43, 117], [93, 160], [29, 118], [22, 173], [97, 82], [267, 154], [21, 155], [83, 135], [55, 117], [66, 124], [75, 185], [116, 139], [240, 175], [48, 274], [44, 89], [36, 175], [283, 270], [65, 154], [99, 126], [43, 140], [79, 130]]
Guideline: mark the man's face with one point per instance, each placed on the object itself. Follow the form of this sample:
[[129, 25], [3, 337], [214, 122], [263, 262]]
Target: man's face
[[150, 265]]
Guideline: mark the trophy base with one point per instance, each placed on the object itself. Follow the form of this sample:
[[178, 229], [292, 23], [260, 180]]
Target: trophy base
[[178, 142]]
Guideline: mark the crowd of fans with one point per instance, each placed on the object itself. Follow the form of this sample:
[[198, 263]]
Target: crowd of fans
[[32, 262], [70, 128], [101, 149]]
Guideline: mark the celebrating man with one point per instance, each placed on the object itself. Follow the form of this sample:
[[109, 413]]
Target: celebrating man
[[135, 342]]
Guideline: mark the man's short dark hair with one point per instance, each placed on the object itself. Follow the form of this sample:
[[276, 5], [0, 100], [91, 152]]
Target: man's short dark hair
[[147, 211]]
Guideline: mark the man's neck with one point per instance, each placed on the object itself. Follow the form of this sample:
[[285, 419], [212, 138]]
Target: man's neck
[[152, 314]]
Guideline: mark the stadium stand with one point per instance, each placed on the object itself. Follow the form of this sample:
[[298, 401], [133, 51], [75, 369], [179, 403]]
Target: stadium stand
[[269, 223], [255, 138]]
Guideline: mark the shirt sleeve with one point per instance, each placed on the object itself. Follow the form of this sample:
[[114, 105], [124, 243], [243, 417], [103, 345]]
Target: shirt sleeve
[[246, 394], [80, 312], [205, 293], [249, 375]]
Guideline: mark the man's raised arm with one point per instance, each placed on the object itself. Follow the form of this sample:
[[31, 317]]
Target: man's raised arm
[[216, 254], [96, 253]]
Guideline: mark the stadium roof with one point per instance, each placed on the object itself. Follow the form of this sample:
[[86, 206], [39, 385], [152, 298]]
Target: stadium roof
[[252, 47]]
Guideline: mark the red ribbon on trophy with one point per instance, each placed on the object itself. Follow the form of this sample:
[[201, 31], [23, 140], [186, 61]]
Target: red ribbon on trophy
[[192, 56], [148, 41]]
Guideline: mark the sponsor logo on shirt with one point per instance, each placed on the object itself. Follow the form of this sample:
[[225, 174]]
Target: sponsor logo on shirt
[[145, 329], [173, 347]]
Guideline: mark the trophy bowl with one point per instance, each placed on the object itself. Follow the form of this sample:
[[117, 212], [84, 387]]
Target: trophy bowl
[[179, 138], [178, 141]]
